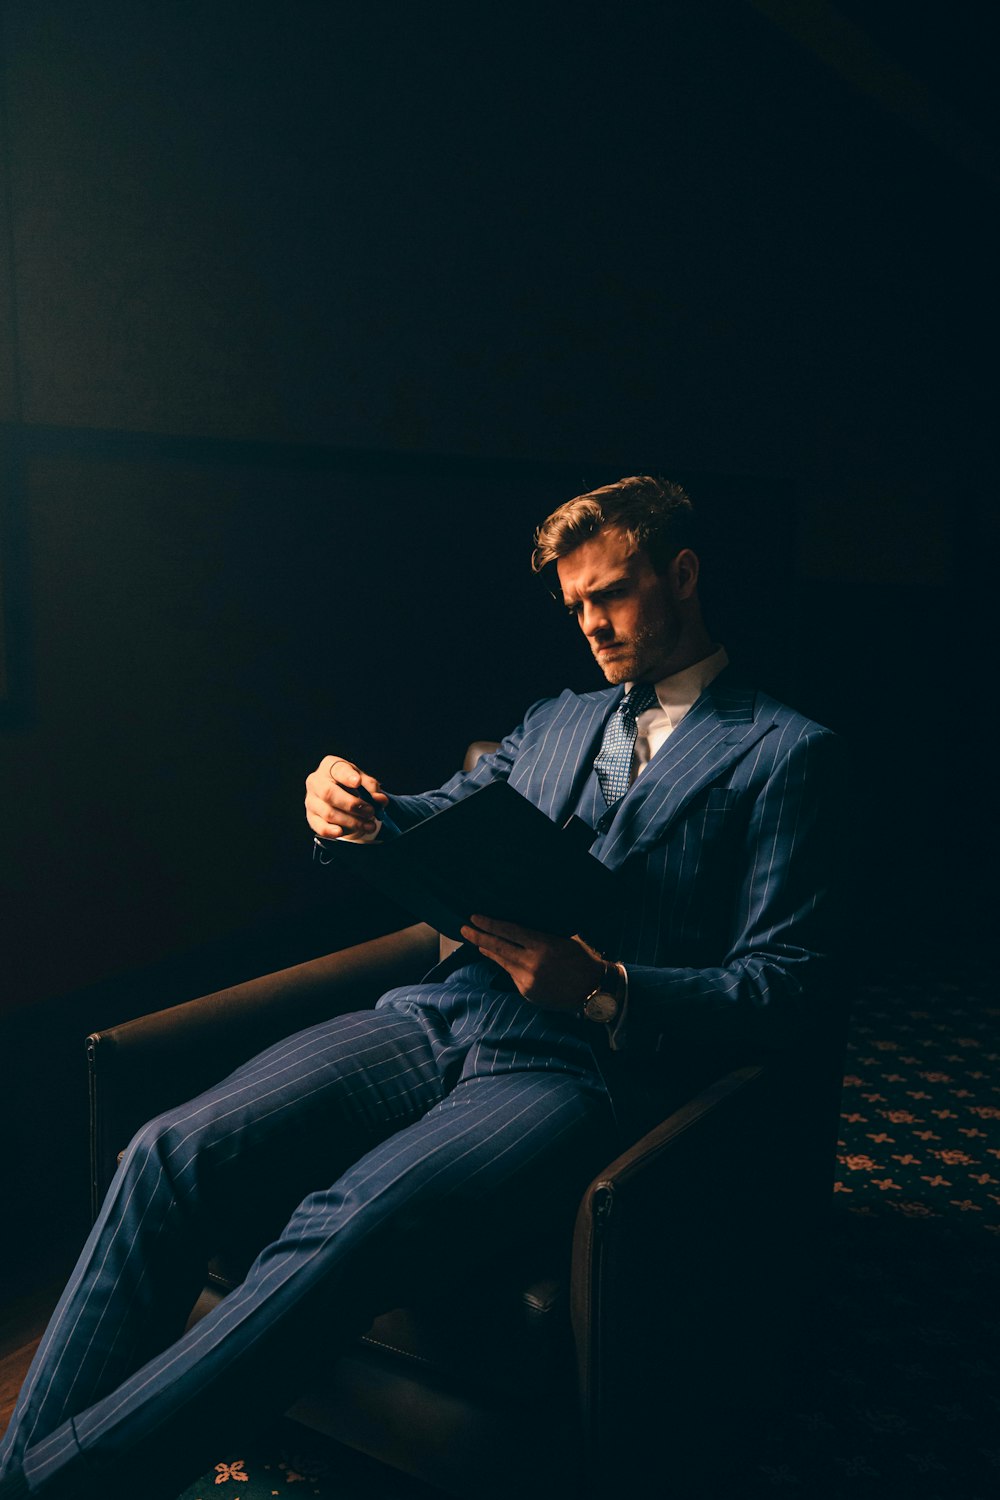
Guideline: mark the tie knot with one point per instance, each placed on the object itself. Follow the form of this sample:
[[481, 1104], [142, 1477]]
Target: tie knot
[[642, 696]]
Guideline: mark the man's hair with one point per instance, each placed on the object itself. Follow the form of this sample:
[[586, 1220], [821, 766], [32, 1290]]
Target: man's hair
[[654, 515]]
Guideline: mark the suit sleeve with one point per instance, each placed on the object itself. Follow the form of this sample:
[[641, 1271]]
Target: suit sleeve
[[406, 811], [781, 971]]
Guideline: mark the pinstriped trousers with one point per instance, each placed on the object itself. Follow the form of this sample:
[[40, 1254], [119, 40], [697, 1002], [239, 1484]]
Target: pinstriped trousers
[[382, 1144]]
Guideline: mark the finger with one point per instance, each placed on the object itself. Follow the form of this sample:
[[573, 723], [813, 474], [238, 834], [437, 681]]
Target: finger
[[325, 826], [510, 932], [346, 800], [338, 787], [346, 774], [360, 817], [333, 801], [330, 821], [482, 940], [322, 792], [506, 955], [496, 947], [343, 771], [375, 789], [508, 958]]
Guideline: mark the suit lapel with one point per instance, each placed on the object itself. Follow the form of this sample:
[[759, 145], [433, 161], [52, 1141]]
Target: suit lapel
[[553, 777], [718, 730]]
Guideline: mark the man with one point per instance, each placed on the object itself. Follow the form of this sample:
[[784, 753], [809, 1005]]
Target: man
[[404, 1134]]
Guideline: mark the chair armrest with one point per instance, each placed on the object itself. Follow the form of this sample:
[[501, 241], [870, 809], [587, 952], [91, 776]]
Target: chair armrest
[[679, 1257], [145, 1066]]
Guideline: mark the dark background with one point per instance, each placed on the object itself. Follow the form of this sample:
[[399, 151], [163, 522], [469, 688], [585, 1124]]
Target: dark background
[[311, 311]]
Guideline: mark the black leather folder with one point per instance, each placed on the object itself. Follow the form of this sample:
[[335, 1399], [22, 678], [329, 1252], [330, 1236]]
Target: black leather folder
[[492, 853]]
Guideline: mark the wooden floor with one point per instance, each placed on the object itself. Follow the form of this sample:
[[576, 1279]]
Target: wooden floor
[[22, 1323]]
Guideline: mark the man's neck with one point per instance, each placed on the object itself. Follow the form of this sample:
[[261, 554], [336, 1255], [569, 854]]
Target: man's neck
[[687, 654]]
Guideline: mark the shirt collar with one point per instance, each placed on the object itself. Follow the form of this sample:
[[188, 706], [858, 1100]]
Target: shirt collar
[[679, 692]]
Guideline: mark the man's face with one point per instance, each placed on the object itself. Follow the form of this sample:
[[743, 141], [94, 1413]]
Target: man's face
[[627, 611]]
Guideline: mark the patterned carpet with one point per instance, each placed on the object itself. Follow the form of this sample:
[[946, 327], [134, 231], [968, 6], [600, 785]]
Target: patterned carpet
[[904, 1396], [902, 1393]]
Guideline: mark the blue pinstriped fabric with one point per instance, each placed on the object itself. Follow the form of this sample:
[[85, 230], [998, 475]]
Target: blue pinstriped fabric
[[452, 1096], [401, 1122], [725, 847]]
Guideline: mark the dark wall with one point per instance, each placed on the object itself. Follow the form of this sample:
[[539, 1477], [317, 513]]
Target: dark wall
[[311, 312], [209, 622], [502, 230], [563, 247]]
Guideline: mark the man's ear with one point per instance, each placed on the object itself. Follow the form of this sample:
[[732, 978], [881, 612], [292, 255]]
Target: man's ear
[[685, 568]]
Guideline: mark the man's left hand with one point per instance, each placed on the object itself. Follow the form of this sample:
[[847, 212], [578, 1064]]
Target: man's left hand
[[556, 973]]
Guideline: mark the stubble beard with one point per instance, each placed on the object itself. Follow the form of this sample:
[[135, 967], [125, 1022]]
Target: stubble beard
[[618, 670], [627, 663], [639, 658]]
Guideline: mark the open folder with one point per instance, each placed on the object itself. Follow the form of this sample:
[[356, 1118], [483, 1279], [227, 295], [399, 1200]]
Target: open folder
[[493, 853]]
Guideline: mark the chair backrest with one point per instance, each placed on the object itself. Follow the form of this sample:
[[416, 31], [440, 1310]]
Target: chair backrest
[[476, 751]]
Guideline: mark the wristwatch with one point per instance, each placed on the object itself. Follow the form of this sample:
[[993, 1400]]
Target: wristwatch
[[602, 1004]]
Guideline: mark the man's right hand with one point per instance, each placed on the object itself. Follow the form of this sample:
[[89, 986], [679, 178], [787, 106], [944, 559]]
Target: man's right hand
[[333, 808]]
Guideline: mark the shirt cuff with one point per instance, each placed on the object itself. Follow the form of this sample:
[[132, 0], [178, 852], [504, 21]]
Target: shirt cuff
[[361, 838], [322, 846]]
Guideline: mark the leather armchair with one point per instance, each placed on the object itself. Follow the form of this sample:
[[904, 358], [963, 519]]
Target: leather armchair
[[630, 1358], [632, 1354]]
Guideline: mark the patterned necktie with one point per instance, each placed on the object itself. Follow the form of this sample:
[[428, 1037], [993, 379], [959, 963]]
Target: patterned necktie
[[614, 762]]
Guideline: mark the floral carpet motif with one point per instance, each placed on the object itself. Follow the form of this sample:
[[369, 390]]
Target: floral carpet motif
[[904, 1395], [900, 1391], [302, 1465]]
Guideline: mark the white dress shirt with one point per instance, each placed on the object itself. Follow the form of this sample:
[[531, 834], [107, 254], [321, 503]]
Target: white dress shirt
[[675, 696]]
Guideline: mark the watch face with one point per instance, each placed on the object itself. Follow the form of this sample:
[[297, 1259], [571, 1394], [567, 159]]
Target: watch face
[[601, 1007]]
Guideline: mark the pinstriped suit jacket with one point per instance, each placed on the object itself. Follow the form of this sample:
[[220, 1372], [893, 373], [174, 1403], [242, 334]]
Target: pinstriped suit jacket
[[725, 847]]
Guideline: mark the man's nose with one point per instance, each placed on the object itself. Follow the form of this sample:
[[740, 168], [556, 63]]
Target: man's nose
[[594, 619]]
